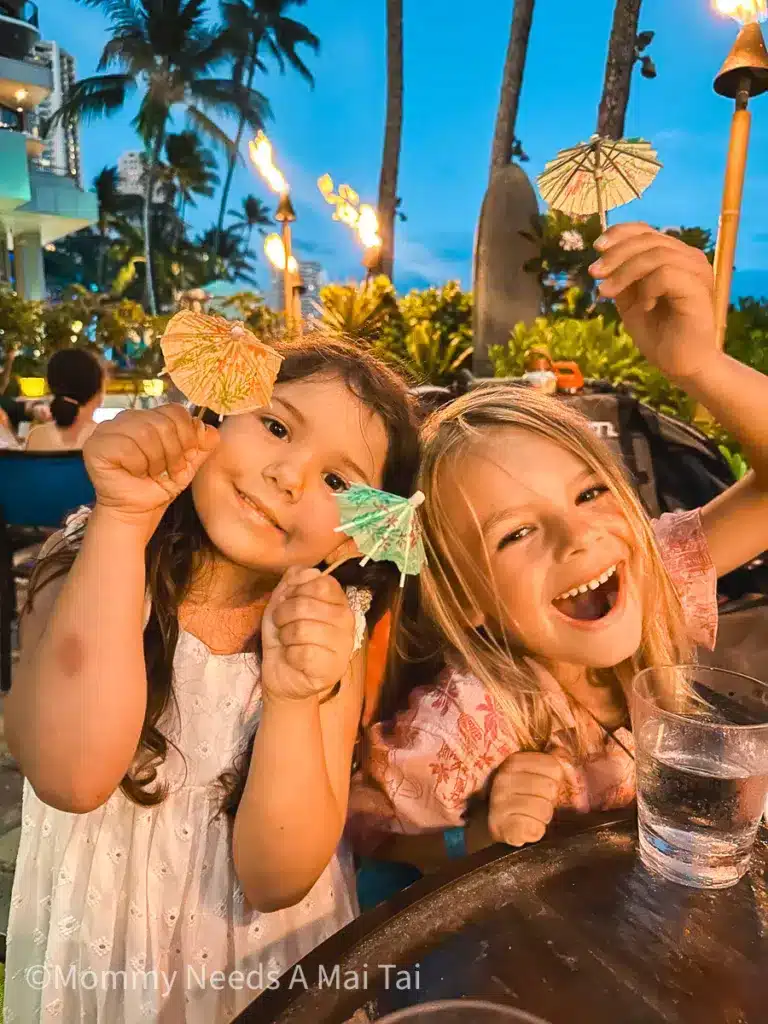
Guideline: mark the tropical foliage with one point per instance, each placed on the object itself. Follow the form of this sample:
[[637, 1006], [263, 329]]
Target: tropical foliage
[[427, 334], [118, 328], [604, 351]]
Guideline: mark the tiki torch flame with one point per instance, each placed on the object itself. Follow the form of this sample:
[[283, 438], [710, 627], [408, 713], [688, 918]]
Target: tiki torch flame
[[274, 250], [260, 149], [744, 11], [347, 209], [368, 227]]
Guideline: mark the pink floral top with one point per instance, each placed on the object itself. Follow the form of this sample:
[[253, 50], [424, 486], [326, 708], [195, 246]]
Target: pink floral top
[[419, 774]]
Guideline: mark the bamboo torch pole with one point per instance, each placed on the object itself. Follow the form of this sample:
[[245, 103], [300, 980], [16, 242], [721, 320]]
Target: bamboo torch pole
[[730, 215]]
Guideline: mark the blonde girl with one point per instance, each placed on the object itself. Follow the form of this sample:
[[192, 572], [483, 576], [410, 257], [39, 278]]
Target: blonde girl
[[548, 588]]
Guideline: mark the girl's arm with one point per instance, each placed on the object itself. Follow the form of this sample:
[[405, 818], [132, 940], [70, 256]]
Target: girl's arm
[[736, 522], [663, 289], [75, 711], [74, 714], [291, 817], [292, 812]]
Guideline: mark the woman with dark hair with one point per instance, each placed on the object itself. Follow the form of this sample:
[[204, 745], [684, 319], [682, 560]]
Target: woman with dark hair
[[76, 380]]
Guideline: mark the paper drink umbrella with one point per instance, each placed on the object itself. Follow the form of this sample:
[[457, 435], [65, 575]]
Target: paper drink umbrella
[[384, 526], [219, 364]]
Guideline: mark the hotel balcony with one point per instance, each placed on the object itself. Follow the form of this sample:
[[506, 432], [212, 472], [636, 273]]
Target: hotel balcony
[[38, 204], [19, 27]]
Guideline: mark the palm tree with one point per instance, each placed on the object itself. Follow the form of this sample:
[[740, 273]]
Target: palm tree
[[112, 204], [228, 255], [189, 170], [622, 55], [504, 138], [165, 49], [250, 27], [252, 214], [393, 134]]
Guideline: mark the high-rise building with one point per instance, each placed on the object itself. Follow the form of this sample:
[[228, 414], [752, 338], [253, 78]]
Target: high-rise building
[[62, 144], [130, 176], [313, 278], [41, 198], [130, 170]]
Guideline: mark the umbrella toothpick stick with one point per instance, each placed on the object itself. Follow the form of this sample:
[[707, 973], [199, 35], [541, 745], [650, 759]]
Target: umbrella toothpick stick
[[600, 201], [335, 565]]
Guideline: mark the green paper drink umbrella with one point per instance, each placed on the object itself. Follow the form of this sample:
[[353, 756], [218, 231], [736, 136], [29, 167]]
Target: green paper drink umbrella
[[384, 526]]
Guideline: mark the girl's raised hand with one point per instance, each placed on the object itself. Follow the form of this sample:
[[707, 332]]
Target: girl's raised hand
[[663, 289], [307, 636], [523, 798], [143, 459]]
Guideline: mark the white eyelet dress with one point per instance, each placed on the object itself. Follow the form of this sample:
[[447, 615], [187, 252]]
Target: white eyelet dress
[[104, 899]]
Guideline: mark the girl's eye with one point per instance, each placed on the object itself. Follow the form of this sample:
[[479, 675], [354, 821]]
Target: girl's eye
[[515, 536], [592, 494], [275, 427], [336, 484]]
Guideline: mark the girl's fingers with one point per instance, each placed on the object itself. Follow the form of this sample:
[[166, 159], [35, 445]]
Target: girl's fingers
[[636, 245], [527, 784], [651, 261], [620, 233], [182, 422], [298, 608], [176, 463], [306, 632], [518, 829], [314, 662]]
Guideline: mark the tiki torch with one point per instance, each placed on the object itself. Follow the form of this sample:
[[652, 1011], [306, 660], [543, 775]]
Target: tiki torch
[[362, 218], [743, 76], [261, 154]]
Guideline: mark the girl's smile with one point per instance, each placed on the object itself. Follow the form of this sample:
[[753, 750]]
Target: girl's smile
[[592, 605]]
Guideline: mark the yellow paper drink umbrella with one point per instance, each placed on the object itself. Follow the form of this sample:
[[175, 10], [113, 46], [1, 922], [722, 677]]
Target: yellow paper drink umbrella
[[598, 176], [219, 364]]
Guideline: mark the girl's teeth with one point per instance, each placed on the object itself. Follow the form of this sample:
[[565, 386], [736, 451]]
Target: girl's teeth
[[592, 585]]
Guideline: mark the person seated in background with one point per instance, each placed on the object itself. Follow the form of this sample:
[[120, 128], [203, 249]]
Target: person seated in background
[[77, 381]]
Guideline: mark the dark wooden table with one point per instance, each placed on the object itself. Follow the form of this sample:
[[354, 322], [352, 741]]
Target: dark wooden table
[[573, 929]]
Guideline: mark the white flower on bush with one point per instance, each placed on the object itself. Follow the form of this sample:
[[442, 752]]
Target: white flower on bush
[[572, 241]]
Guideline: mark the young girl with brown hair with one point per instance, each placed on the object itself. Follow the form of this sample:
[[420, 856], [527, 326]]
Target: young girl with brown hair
[[163, 843]]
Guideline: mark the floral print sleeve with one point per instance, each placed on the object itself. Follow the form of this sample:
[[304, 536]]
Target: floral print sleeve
[[684, 549], [420, 771]]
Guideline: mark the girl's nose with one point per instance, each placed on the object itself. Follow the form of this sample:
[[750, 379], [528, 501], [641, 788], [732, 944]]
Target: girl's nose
[[288, 476], [574, 536]]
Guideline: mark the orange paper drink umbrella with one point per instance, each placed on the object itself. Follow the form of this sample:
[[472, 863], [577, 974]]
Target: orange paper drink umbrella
[[219, 364]]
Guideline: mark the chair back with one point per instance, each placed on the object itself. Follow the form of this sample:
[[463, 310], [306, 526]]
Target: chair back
[[39, 489]]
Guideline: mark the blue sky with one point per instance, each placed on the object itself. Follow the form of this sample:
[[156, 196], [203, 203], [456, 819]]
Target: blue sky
[[453, 62]]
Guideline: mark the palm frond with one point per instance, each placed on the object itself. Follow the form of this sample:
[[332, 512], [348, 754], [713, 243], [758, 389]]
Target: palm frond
[[98, 96], [209, 127], [130, 51], [223, 96]]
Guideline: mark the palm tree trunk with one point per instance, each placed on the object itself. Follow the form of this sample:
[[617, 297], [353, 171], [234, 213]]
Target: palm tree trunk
[[618, 73], [102, 260], [232, 163], [149, 283], [512, 84], [390, 161]]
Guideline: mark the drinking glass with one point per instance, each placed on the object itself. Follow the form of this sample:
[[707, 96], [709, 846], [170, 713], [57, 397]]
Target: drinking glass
[[461, 1011], [701, 740]]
